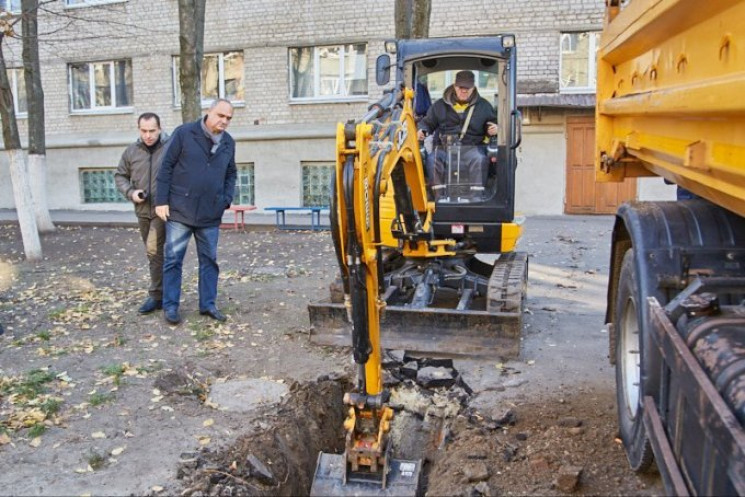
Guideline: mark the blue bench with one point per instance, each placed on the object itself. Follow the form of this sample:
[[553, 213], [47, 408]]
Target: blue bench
[[315, 218]]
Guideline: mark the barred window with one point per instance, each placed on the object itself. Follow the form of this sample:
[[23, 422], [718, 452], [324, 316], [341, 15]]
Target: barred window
[[244, 185], [98, 186], [317, 183]]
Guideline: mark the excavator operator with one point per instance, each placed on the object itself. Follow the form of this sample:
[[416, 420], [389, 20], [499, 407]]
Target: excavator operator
[[459, 120]]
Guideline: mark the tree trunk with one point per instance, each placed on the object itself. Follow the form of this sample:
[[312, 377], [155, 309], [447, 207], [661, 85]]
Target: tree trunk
[[37, 149], [18, 171], [411, 18], [191, 40], [420, 18]]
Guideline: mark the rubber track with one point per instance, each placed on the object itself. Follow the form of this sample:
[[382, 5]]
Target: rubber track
[[508, 283]]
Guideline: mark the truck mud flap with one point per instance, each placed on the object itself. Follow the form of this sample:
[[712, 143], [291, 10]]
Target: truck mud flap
[[432, 330]]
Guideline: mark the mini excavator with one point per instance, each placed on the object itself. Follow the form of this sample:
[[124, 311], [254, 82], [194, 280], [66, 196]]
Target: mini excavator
[[382, 208]]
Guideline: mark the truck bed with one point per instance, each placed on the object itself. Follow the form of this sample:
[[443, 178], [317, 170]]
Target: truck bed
[[671, 80]]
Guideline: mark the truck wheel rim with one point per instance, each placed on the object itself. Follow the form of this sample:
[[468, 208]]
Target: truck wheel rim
[[630, 357]]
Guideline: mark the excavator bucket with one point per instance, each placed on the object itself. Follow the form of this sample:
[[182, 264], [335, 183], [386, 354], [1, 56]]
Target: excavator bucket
[[488, 324], [403, 479]]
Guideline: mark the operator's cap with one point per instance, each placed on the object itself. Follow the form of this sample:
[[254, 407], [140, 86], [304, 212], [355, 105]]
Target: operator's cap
[[465, 79]]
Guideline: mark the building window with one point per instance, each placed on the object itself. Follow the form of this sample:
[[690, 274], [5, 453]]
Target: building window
[[317, 183], [12, 6], [18, 88], [578, 51], [222, 77], [244, 185], [337, 72], [100, 86], [97, 186], [88, 3]]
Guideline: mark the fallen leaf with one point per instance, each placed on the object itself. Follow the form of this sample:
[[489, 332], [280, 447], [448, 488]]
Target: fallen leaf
[[208, 422], [98, 434], [35, 442], [156, 488], [117, 451], [4, 439], [204, 440]]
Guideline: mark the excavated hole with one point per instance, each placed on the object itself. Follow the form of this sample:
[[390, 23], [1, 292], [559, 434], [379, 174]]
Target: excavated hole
[[278, 454]]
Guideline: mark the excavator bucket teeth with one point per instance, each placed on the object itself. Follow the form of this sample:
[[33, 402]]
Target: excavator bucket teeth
[[403, 479]]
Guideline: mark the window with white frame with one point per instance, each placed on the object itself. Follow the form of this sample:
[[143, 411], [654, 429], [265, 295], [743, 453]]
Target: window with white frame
[[100, 86], [222, 77], [577, 66], [337, 72], [12, 6], [18, 88], [88, 3]]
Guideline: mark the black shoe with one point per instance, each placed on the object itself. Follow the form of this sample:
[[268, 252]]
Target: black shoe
[[150, 305], [172, 316], [214, 314]]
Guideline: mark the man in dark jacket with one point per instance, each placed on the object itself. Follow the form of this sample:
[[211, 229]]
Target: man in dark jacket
[[461, 120], [135, 178], [195, 186]]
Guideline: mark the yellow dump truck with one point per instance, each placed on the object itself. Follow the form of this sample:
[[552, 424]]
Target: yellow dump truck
[[671, 103]]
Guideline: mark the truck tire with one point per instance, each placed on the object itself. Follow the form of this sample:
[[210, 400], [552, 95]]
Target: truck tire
[[629, 367]]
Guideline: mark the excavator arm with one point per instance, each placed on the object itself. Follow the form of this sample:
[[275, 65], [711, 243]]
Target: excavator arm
[[375, 154]]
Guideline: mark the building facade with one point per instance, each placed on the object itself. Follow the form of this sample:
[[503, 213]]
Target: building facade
[[293, 69]]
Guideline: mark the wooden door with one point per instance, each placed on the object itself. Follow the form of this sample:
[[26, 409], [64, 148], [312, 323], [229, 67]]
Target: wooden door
[[583, 194]]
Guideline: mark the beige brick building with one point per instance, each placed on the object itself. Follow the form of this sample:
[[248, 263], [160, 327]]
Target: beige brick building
[[106, 61]]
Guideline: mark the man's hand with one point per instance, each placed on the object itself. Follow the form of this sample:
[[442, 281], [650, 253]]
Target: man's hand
[[136, 196], [491, 129], [162, 211], [420, 135]]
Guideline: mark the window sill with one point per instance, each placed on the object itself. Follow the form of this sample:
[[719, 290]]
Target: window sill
[[327, 100], [94, 3], [102, 112]]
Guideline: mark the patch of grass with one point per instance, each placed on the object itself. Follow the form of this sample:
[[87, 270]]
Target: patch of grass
[[30, 386], [55, 314], [115, 370], [152, 368], [96, 460], [50, 406], [119, 340], [44, 335], [37, 430], [203, 335], [99, 399]]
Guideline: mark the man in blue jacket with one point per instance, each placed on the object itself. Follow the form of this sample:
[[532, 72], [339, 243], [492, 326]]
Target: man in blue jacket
[[195, 185]]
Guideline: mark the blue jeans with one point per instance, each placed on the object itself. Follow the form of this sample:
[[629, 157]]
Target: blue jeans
[[177, 239]]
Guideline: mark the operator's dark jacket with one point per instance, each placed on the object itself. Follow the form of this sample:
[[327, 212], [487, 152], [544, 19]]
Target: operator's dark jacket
[[138, 170], [196, 184], [444, 119]]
